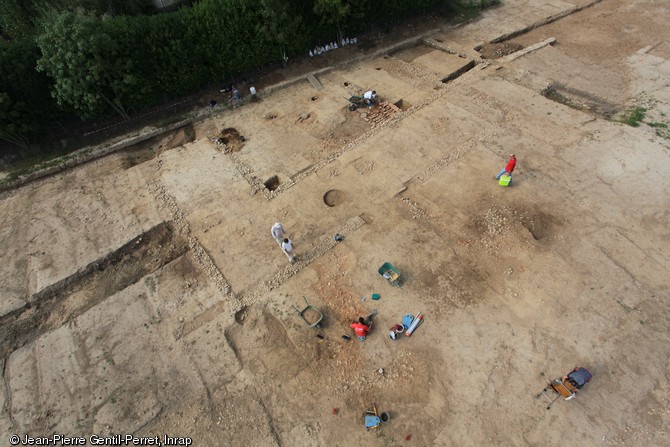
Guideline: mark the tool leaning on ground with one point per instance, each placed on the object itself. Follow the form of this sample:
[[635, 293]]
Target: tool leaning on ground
[[415, 324]]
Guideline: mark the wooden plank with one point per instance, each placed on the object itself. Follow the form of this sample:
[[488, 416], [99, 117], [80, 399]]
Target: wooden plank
[[315, 82]]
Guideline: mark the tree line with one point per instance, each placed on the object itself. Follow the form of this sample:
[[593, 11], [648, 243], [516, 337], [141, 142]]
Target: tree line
[[93, 58]]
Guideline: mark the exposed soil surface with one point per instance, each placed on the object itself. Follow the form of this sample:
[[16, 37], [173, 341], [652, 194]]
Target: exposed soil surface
[[231, 140], [496, 50]]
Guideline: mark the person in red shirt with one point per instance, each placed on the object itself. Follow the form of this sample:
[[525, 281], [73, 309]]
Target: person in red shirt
[[361, 327], [509, 168]]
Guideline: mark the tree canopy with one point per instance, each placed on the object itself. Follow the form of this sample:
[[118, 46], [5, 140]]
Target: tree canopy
[[18, 18], [89, 70], [25, 103]]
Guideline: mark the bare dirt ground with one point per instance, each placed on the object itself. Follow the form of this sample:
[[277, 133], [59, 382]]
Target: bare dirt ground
[[143, 294]]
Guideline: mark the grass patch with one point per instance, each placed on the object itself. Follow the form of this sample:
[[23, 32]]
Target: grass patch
[[633, 117], [661, 125], [663, 133], [661, 129]]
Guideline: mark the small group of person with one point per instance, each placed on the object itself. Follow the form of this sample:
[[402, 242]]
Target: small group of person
[[363, 326], [287, 246], [235, 95]]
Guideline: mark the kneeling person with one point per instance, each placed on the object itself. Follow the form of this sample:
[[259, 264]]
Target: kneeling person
[[361, 328], [369, 97]]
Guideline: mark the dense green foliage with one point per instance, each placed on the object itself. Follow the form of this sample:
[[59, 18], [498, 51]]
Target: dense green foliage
[[96, 57], [279, 25], [91, 72], [19, 17], [25, 104]]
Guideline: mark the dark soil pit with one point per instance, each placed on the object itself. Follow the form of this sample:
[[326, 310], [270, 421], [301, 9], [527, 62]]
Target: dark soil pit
[[152, 147], [464, 69], [181, 137], [579, 100], [334, 197], [539, 224], [231, 139], [496, 50], [272, 183], [402, 104], [240, 315], [137, 157]]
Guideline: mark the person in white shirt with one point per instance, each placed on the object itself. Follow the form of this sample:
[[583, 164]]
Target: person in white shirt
[[288, 247], [369, 97], [278, 232], [395, 330]]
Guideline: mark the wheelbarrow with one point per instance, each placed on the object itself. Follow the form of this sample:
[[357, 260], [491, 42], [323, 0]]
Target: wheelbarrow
[[310, 315], [391, 274], [356, 102]]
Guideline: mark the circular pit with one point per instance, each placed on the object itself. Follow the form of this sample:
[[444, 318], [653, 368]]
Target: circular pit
[[334, 197]]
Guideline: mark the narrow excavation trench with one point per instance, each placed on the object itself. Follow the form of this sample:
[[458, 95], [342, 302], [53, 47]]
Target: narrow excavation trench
[[460, 72], [73, 296]]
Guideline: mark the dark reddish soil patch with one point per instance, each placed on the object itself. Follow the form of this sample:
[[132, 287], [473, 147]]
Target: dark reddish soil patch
[[231, 139], [496, 50]]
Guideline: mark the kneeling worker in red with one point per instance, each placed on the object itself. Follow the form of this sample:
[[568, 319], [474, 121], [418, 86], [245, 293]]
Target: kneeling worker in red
[[361, 327]]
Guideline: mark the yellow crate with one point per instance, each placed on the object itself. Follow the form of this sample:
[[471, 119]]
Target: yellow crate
[[505, 180]]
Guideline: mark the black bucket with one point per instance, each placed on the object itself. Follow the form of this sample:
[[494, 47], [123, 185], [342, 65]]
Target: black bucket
[[385, 417]]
